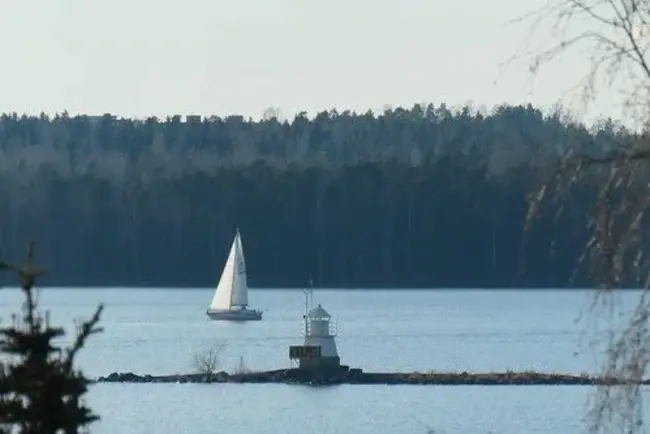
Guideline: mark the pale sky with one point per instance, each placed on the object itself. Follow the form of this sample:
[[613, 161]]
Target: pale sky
[[138, 58]]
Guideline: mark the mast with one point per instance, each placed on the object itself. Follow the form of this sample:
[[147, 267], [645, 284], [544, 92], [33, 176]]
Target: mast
[[306, 291], [308, 299], [239, 294], [234, 269]]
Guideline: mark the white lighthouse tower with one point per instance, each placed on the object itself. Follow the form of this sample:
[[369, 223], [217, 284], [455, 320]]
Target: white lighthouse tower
[[319, 348]]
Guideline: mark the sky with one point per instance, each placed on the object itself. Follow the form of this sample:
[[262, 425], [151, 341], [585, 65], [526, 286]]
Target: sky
[[142, 58]]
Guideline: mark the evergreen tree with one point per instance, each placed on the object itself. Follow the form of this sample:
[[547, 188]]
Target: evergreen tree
[[40, 391]]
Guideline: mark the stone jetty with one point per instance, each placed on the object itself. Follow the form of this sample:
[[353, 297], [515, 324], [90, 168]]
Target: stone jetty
[[319, 364], [344, 375]]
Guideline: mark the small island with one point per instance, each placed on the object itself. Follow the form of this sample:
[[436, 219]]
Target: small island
[[344, 375], [318, 363]]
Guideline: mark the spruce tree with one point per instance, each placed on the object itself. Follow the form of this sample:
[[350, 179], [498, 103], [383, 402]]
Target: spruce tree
[[40, 391]]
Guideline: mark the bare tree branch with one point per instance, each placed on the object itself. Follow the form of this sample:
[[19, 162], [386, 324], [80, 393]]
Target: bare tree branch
[[613, 33], [616, 36], [207, 362]]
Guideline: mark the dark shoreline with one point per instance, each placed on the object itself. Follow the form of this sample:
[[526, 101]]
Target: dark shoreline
[[356, 376]]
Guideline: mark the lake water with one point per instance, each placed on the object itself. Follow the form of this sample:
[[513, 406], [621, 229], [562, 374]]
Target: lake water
[[157, 331]]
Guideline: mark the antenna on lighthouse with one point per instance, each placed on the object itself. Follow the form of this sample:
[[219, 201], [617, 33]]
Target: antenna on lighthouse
[[308, 299]]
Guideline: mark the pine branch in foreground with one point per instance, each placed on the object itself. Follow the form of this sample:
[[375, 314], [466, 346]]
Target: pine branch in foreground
[[40, 391]]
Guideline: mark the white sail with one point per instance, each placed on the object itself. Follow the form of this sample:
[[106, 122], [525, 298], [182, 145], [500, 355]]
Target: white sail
[[232, 289], [223, 293], [240, 284]]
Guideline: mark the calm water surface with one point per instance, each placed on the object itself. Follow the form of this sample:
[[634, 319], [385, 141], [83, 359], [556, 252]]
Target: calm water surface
[[156, 331]]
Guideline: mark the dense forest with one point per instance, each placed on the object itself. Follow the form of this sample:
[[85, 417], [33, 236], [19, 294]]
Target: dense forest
[[426, 197]]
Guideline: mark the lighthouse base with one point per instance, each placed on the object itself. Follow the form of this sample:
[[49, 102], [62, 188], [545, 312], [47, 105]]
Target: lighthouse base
[[320, 363]]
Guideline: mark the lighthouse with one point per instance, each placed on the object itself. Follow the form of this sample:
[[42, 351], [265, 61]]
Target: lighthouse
[[318, 351]]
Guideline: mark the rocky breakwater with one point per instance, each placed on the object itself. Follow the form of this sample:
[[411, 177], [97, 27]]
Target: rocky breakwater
[[357, 376]]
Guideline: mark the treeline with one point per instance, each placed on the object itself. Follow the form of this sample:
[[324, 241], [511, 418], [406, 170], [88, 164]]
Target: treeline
[[424, 197]]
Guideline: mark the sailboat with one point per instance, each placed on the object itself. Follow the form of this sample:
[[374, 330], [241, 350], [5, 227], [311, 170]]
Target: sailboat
[[230, 300]]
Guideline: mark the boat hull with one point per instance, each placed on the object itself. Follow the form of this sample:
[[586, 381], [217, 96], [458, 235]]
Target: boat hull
[[234, 315]]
